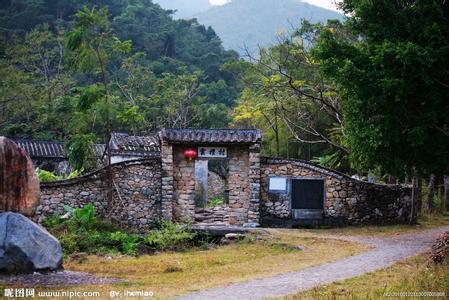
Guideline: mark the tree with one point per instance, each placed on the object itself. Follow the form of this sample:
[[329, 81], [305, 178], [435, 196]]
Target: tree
[[36, 82], [176, 96], [393, 83], [431, 193], [285, 94], [43, 81], [446, 192], [94, 43]]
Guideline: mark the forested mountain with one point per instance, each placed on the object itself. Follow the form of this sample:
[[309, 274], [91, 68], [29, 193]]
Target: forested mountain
[[150, 28], [185, 8], [159, 71], [253, 23]]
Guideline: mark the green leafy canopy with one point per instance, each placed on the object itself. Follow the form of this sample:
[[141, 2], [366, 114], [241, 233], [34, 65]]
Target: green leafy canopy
[[393, 82]]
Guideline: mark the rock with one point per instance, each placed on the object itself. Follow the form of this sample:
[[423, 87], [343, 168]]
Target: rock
[[20, 185], [234, 236], [25, 247], [251, 225]]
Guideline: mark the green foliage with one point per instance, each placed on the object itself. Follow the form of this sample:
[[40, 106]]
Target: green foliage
[[89, 96], [85, 217], [79, 230], [285, 94], [54, 74], [75, 174], [170, 236], [393, 83], [34, 83], [127, 243], [217, 201], [80, 149], [46, 176], [335, 160]]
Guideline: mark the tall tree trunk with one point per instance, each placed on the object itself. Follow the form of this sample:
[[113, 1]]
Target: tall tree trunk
[[276, 132], [109, 173], [431, 193], [276, 126], [419, 195], [413, 215], [446, 192]]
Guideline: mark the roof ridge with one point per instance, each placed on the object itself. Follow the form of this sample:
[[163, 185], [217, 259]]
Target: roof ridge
[[35, 140], [214, 129]]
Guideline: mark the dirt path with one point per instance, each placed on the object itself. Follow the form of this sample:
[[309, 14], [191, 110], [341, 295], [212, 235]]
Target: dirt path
[[387, 251]]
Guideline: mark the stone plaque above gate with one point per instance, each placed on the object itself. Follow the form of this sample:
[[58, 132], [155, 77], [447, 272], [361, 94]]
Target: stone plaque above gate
[[212, 152]]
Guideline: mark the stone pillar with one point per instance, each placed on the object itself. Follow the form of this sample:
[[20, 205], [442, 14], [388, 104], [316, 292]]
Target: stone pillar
[[183, 186], [238, 184], [254, 176], [167, 181]]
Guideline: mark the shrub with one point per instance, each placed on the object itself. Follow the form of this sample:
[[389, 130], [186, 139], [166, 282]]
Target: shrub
[[83, 232], [214, 202], [75, 174], [84, 217], [170, 236], [127, 243], [47, 176], [52, 221]]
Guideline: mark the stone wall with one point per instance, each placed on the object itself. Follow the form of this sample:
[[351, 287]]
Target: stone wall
[[167, 181], [254, 179], [137, 194], [183, 186], [347, 201], [216, 186], [238, 184], [218, 215], [146, 190]]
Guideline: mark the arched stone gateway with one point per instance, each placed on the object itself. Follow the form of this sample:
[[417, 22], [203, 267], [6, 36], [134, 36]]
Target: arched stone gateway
[[19, 185]]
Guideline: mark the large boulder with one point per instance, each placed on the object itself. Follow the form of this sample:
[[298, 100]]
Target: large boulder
[[19, 185], [26, 247]]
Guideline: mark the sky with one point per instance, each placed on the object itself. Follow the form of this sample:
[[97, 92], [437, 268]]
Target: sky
[[329, 4]]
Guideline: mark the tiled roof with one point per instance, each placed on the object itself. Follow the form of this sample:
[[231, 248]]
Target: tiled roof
[[41, 149], [211, 136], [50, 149], [123, 143]]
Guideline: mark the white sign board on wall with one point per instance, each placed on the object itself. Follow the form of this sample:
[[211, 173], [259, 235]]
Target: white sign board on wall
[[277, 184], [212, 152]]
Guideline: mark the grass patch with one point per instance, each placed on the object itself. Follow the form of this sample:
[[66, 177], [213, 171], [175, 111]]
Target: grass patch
[[412, 275], [173, 273], [425, 221]]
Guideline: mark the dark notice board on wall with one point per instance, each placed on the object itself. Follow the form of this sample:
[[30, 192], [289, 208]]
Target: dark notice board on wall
[[307, 193]]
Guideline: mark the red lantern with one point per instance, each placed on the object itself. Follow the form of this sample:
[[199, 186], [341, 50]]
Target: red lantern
[[190, 154]]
